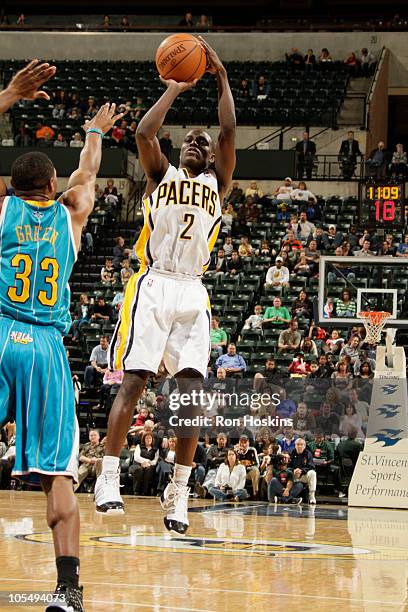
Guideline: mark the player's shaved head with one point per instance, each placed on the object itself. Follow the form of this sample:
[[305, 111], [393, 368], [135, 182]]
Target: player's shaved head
[[32, 172]]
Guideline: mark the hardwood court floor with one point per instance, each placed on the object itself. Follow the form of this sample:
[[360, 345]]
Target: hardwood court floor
[[246, 557]]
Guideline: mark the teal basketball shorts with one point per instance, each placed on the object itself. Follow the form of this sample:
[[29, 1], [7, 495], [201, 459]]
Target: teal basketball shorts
[[36, 391]]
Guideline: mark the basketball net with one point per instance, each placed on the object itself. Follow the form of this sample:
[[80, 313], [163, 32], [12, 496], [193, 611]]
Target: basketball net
[[374, 324]]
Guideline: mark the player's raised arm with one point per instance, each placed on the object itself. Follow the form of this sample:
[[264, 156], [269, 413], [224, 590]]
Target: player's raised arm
[[26, 83], [80, 195], [154, 163], [225, 150]]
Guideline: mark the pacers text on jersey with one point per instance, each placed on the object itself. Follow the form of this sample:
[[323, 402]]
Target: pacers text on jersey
[[193, 193]]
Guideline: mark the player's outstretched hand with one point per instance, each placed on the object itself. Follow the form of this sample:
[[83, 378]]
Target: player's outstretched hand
[[104, 119], [26, 83], [178, 87], [214, 64]]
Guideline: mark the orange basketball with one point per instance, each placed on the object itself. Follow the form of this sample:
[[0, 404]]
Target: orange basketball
[[181, 57]]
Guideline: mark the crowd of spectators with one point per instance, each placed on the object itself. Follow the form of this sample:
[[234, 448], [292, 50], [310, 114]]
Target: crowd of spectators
[[361, 64]]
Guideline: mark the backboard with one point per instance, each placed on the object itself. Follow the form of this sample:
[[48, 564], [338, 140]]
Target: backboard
[[374, 283]]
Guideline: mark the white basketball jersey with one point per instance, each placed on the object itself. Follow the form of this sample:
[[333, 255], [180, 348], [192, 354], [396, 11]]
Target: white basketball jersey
[[182, 219]]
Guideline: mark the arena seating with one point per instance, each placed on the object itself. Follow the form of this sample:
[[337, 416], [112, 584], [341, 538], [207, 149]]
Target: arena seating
[[296, 97]]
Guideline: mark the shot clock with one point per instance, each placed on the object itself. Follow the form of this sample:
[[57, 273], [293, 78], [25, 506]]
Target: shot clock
[[381, 205]]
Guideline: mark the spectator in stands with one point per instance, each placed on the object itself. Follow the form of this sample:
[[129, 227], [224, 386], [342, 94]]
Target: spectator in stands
[[74, 113], [309, 59], [106, 23], [216, 456], [23, 137], [276, 315], [365, 250], [312, 255], [43, 131], [90, 458], [304, 228], [248, 457], [335, 343], [385, 250], [302, 268], [325, 56], [325, 369], [399, 162], [348, 452], [187, 21], [351, 420], [265, 249], [339, 271], [248, 212], [119, 251], [402, 250], [301, 462], [234, 264], [281, 488], [228, 217], [4, 20], [367, 62], [233, 363], [351, 349], [198, 466], [219, 263], [203, 23], [299, 366], [99, 363], [21, 20], [166, 144], [277, 275], [110, 386], [306, 151], [245, 249], [76, 141], [376, 164], [304, 422], [269, 377], [108, 276], [119, 133], [302, 306], [81, 315], [143, 468], [230, 479], [218, 336], [309, 348], [126, 272], [349, 151], [322, 450], [295, 58], [289, 339], [101, 311], [124, 23], [345, 306], [244, 90], [47, 141], [165, 466], [60, 141], [352, 62], [261, 87], [302, 193], [221, 383], [286, 407], [236, 195], [332, 238], [255, 320], [284, 192], [342, 377]]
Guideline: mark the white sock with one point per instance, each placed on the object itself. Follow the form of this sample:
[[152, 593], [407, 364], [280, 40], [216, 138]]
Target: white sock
[[110, 464], [181, 474]]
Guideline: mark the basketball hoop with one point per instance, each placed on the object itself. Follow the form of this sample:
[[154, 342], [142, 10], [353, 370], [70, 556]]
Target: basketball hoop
[[374, 322]]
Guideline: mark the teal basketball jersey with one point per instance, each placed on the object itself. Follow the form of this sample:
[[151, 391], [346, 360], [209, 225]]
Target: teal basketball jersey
[[37, 254]]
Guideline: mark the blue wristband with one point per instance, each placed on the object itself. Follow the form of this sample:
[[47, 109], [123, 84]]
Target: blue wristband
[[95, 131]]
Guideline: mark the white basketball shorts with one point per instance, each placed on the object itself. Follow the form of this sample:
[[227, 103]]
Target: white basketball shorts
[[163, 317]]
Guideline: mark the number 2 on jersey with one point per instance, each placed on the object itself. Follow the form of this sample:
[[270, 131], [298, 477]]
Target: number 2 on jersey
[[22, 294], [189, 220]]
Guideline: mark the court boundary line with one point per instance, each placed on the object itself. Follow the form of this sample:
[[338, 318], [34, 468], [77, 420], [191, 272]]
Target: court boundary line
[[212, 590]]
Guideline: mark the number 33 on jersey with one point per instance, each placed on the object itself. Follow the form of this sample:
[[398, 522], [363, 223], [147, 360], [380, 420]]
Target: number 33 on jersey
[[182, 221]]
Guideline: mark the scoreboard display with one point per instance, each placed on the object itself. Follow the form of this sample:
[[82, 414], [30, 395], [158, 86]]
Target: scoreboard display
[[381, 204]]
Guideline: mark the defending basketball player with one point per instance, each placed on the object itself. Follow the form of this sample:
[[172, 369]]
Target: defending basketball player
[[166, 309], [39, 241]]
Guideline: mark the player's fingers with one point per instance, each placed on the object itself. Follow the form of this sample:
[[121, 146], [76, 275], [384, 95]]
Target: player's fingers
[[42, 95], [29, 67], [112, 109], [116, 117], [44, 74]]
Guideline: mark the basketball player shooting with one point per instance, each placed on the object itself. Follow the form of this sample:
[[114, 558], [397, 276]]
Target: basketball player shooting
[[40, 237], [166, 314]]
